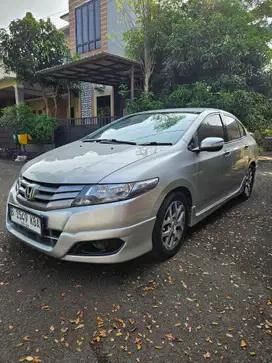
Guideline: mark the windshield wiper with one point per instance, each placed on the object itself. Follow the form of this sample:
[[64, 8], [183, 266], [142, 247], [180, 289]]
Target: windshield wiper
[[155, 143], [110, 141]]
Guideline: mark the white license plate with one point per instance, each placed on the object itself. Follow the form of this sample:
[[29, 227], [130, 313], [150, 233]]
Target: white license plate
[[25, 219]]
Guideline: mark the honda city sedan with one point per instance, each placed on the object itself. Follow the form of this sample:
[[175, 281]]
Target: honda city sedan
[[133, 186]]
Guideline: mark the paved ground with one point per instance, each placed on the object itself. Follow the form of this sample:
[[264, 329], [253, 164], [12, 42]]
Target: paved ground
[[213, 299]]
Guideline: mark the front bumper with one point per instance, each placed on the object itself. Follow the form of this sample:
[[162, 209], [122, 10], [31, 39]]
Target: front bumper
[[130, 221]]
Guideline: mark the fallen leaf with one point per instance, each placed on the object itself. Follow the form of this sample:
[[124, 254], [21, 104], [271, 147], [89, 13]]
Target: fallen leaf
[[207, 355], [208, 340], [132, 321], [148, 288], [11, 327], [228, 297], [169, 278], [109, 355], [63, 330], [268, 301], [268, 323], [45, 307], [99, 322], [36, 360], [137, 360], [252, 353], [184, 285], [198, 327], [243, 344], [56, 341], [214, 323], [52, 328], [4, 283], [80, 326], [29, 358], [229, 335], [158, 347], [19, 345], [139, 346], [26, 339], [103, 333], [178, 324], [119, 334], [45, 337]]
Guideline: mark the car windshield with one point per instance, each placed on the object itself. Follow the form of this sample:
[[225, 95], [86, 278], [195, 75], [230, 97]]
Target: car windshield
[[147, 128]]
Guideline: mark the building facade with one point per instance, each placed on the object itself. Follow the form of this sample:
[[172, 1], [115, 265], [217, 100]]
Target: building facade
[[93, 26]]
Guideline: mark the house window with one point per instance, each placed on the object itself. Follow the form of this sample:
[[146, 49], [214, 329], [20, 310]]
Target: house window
[[88, 27]]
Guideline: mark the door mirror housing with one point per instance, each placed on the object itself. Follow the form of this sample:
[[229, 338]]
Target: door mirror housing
[[211, 144]]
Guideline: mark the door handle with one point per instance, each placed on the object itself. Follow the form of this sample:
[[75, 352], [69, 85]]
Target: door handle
[[227, 153]]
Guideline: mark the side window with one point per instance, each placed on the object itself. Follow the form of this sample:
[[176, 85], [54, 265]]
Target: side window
[[210, 127], [232, 127], [242, 129]]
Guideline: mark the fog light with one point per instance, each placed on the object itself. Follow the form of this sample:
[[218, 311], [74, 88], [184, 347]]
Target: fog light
[[100, 245]]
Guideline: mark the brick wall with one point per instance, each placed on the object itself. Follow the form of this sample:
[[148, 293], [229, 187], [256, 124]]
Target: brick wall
[[73, 4]]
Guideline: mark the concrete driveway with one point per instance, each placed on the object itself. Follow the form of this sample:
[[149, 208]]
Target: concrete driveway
[[211, 302]]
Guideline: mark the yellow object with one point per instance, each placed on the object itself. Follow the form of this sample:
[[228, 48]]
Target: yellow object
[[24, 138]]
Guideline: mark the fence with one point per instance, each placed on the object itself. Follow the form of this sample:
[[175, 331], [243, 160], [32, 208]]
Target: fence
[[69, 130], [6, 138]]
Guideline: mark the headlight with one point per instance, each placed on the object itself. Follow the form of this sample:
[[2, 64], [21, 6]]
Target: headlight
[[107, 193]]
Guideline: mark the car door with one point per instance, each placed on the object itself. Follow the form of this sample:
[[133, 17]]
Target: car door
[[213, 168], [236, 151]]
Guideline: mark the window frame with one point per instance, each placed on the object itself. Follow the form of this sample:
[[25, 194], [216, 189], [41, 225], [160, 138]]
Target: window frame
[[90, 44], [240, 126], [195, 136]]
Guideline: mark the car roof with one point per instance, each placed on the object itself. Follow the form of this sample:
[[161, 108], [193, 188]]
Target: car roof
[[197, 110]]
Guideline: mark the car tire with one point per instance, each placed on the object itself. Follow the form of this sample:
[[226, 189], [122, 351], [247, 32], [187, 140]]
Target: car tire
[[171, 226], [248, 183]]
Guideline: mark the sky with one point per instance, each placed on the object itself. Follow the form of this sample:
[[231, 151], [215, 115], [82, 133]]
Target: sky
[[14, 9]]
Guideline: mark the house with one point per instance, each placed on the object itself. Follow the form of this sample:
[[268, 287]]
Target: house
[[94, 31], [93, 28]]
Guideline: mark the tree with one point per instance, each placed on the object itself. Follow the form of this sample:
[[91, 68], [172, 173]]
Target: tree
[[218, 42], [31, 45], [139, 36]]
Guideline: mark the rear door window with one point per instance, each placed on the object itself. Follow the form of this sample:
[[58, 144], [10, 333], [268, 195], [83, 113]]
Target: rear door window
[[232, 127]]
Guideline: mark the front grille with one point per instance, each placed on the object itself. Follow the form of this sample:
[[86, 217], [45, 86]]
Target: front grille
[[49, 238], [48, 196]]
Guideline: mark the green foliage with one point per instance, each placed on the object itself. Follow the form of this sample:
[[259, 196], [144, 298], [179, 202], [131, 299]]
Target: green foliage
[[143, 103], [218, 42], [252, 108], [31, 45], [20, 118], [209, 53]]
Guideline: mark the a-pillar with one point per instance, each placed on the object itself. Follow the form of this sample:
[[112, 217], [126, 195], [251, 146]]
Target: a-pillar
[[19, 94]]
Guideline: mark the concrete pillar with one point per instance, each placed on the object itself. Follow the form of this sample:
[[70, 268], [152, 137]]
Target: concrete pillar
[[19, 94]]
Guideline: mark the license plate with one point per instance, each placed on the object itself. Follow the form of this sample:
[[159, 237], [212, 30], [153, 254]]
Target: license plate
[[25, 219]]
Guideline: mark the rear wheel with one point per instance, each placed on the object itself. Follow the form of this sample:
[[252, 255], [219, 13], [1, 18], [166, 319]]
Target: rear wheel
[[170, 226], [248, 183]]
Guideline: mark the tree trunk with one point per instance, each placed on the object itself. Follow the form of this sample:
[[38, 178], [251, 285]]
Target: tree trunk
[[46, 103]]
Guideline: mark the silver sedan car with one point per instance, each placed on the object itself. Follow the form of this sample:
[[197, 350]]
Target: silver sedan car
[[132, 187]]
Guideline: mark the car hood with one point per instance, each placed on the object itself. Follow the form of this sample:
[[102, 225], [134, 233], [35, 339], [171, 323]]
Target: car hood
[[85, 163]]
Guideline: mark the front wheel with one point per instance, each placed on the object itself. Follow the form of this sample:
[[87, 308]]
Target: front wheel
[[248, 183], [170, 226]]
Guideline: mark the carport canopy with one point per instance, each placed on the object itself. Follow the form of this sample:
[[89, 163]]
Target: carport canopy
[[101, 68]]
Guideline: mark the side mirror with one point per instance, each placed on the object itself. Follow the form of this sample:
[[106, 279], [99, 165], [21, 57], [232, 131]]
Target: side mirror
[[211, 144]]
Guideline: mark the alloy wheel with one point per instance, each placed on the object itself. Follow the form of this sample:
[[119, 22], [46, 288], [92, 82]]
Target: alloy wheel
[[173, 225], [249, 182]]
